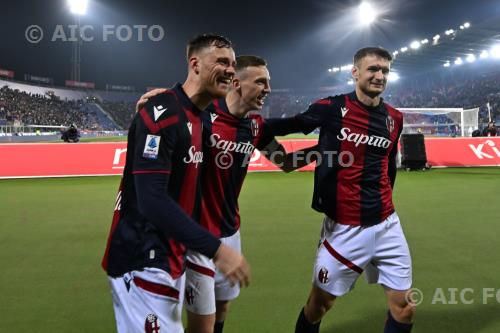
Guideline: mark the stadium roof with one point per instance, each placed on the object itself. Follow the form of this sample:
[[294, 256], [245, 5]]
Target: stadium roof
[[461, 43]]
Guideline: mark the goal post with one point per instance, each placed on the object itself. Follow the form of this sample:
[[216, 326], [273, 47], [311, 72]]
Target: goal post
[[440, 121]]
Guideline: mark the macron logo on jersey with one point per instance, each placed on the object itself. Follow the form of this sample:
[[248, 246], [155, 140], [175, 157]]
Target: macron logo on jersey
[[213, 116], [190, 127], [158, 111], [363, 139], [344, 110]]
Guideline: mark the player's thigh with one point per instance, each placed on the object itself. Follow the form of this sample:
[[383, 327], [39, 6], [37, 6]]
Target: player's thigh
[[341, 256], [149, 301], [121, 303], [391, 265], [199, 295], [225, 290]]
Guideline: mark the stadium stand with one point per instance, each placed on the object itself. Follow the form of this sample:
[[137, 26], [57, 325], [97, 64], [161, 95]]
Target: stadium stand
[[104, 110]]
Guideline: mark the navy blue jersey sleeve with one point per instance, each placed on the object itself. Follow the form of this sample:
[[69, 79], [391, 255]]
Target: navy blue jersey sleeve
[[392, 167], [304, 122], [266, 136], [158, 207], [155, 137]]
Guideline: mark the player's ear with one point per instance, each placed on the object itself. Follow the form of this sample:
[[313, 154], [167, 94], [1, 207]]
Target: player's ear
[[236, 83], [355, 72], [194, 65]]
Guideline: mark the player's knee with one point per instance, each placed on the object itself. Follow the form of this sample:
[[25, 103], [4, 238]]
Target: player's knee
[[222, 308], [404, 313], [200, 323], [318, 304]]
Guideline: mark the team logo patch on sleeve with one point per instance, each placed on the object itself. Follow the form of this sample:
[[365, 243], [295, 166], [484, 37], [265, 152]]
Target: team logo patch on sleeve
[[152, 147], [152, 324]]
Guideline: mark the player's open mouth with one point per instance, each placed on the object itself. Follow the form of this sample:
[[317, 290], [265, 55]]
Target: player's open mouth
[[261, 99], [224, 81]]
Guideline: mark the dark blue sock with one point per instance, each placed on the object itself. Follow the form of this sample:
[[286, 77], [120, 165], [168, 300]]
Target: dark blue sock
[[303, 326], [219, 325], [393, 326]]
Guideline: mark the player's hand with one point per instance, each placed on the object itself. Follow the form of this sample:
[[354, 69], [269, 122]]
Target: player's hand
[[233, 265], [144, 98]]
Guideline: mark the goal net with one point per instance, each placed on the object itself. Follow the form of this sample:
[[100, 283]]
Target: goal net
[[440, 121]]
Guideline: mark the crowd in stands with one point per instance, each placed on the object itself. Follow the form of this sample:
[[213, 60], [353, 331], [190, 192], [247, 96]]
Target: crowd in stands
[[426, 91], [121, 112], [20, 108]]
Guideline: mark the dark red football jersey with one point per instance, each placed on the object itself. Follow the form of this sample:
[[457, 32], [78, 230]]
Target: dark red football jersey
[[352, 184], [165, 137], [229, 143]]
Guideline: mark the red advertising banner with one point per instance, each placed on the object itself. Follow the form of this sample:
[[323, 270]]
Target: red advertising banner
[[6, 73], [92, 159], [463, 152]]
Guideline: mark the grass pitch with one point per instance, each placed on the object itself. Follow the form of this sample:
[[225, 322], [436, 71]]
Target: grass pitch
[[53, 233]]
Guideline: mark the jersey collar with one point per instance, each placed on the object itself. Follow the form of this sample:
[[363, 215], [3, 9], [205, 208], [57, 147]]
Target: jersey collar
[[183, 98], [379, 107]]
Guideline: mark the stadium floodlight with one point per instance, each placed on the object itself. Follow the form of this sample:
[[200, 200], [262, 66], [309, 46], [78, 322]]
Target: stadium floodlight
[[471, 58], [449, 32], [466, 25], [329, 70], [495, 51], [462, 27], [350, 82], [435, 39], [367, 14], [415, 45], [459, 61], [484, 54], [404, 49], [346, 67], [335, 69], [447, 64], [393, 77], [395, 53], [424, 41], [78, 7]]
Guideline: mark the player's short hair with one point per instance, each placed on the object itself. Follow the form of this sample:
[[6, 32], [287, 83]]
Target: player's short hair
[[372, 50], [200, 42], [245, 61]]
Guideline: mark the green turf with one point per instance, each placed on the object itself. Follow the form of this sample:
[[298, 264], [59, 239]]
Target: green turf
[[53, 234]]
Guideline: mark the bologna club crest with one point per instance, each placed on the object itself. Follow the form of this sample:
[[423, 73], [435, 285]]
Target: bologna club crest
[[152, 324], [323, 275], [255, 127], [390, 124]]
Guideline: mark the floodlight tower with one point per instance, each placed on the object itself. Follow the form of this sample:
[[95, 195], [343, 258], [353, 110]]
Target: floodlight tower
[[78, 8]]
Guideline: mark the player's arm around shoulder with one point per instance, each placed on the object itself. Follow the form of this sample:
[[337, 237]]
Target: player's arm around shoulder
[[277, 154]]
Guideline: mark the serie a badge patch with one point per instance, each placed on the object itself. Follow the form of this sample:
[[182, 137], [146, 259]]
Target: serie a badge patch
[[152, 147]]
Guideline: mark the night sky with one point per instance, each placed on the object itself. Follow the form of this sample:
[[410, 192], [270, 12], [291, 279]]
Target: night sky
[[300, 39]]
